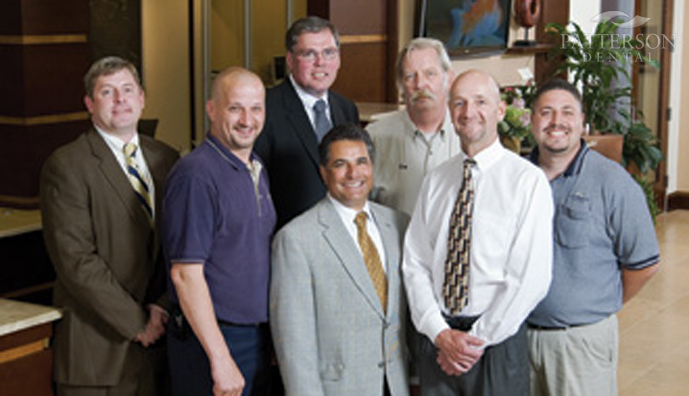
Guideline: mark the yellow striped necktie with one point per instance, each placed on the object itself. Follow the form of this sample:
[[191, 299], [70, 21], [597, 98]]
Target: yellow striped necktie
[[136, 179], [372, 259]]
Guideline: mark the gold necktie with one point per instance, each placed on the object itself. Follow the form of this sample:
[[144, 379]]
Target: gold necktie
[[136, 179], [456, 284], [372, 259]]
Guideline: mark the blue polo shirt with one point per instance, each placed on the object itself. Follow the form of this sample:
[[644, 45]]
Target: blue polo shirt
[[213, 214], [602, 225]]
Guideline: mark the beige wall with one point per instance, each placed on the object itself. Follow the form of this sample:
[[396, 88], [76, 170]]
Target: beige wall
[[165, 53]]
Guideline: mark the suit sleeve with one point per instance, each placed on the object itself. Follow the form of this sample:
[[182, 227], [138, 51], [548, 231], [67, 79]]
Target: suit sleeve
[[69, 235], [293, 317]]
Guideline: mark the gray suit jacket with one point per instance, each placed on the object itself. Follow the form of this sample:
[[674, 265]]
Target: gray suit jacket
[[331, 334], [105, 255]]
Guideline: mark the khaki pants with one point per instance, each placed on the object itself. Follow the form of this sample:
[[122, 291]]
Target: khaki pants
[[577, 361]]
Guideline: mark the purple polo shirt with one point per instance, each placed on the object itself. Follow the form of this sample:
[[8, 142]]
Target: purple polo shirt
[[213, 215]]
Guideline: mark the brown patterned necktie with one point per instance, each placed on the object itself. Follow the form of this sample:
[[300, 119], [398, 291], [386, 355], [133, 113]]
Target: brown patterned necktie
[[455, 287], [372, 259]]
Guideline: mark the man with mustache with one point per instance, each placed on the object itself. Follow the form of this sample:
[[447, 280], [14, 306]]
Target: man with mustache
[[299, 111], [218, 223], [417, 139], [605, 250]]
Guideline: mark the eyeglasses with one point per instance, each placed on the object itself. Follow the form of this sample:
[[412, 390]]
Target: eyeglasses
[[311, 55]]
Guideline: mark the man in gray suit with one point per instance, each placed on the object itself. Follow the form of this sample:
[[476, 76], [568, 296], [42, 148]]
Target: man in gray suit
[[100, 206], [337, 308]]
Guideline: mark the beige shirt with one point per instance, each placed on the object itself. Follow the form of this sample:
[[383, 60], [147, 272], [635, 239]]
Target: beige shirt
[[404, 156]]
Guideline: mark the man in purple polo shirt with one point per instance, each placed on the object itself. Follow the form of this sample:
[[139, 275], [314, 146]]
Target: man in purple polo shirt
[[219, 219]]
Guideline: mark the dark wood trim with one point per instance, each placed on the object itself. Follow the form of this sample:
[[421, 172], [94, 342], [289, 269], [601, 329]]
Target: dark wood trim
[[664, 101], [392, 95], [678, 200]]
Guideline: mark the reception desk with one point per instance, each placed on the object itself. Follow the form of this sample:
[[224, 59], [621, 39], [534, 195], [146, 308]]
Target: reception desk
[[25, 355]]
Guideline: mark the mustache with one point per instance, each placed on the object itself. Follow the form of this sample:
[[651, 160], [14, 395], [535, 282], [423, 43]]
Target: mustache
[[422, 94], [553, 127]]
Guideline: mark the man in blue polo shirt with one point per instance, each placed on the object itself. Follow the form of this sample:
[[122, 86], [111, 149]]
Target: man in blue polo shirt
[[605, 250], [219, 219]]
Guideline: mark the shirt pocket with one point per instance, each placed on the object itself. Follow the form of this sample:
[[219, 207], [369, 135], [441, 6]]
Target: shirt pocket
[[573, 222]]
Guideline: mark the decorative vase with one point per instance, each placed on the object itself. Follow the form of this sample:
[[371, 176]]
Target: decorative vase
[[511, 143]]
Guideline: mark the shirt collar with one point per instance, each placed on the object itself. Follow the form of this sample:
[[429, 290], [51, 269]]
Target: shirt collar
[[306, 98], [115, 142], [227, 154], [445, 128], [346, 213], [488, 156], [574, 167]]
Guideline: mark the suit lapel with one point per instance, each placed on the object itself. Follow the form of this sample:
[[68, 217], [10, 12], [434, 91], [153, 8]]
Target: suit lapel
[[112, 171], [296, 114], [342, 244], [336, 111]]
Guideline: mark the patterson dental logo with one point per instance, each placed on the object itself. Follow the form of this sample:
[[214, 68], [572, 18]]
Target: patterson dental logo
[[620, 47], [630, 24]]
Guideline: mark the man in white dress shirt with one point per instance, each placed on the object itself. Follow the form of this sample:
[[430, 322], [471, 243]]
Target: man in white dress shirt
[[412, 141], [480, 349]]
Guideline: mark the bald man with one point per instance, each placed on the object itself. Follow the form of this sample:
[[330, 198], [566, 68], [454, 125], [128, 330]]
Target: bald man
[[217, 232], [469, 296]]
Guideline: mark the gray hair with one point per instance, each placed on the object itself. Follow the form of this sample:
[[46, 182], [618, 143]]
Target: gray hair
[[420, 43]]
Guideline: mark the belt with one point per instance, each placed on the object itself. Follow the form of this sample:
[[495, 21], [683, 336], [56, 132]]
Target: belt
[[461, 323], [232, 324], [554, 328]]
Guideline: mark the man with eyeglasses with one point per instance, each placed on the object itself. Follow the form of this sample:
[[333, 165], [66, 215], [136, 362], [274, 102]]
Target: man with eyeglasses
[[299, 111]]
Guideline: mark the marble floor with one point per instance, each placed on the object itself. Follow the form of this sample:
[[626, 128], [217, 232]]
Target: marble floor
[[654, 326]]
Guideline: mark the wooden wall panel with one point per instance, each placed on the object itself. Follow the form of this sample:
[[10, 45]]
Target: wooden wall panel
[[352, 20], [23, 151], [363, 74], [42, 79], [43, 17]]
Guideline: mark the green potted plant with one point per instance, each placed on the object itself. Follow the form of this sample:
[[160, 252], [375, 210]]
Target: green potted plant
[[517, 122]]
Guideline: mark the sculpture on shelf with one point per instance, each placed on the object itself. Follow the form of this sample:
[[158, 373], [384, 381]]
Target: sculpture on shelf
[[527, 12]]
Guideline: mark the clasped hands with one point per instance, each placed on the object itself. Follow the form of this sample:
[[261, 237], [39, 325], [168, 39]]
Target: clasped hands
[[457, 351], [155, 327]]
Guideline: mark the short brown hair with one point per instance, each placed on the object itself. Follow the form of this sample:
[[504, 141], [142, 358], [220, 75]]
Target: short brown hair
[[105, 67]]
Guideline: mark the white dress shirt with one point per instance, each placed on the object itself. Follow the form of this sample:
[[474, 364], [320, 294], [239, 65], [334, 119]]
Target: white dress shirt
[[404, 156], [348, 215], [511, 246], [116, 145]]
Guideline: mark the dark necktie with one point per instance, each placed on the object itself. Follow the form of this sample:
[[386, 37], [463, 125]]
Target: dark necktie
[[372, 259], [321, 120], [456, 284], [136, 179]]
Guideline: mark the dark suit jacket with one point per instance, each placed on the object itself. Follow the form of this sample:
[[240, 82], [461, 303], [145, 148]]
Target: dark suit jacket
[[289, 148], [105, 255]]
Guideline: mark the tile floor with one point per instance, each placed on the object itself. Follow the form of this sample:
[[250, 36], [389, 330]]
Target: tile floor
[[654, 326]]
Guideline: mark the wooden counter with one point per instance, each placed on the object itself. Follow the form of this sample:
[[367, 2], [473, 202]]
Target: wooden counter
[[26, 366]]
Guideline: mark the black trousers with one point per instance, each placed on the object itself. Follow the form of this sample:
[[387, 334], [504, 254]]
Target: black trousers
[[502, 370]]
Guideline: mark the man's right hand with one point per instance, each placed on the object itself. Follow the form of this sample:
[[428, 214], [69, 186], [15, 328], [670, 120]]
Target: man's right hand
[[227, 379], [457, 351]]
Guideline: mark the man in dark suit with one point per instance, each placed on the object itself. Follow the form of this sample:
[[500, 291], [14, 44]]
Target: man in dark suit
[[294, 124], [99, 196]]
